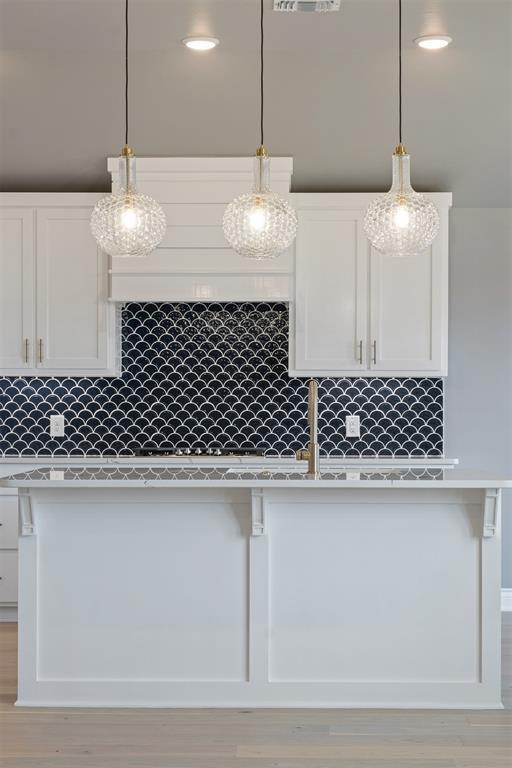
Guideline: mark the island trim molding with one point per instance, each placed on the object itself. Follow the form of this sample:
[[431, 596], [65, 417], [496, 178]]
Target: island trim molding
[[26, 519], [491, 512]]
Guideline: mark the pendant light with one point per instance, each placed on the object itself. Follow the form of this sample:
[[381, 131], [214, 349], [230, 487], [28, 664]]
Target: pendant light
[[128, 223], [260, 224], [402, 222]]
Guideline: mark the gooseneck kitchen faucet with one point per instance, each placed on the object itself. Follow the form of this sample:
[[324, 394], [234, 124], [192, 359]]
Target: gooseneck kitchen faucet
[[312, 452]]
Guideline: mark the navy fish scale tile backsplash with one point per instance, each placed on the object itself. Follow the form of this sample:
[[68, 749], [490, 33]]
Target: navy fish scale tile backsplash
[[215, 374]]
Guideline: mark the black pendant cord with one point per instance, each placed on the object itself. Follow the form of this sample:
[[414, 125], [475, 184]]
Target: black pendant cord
[[126, 73], [400, 70], [261, 72]]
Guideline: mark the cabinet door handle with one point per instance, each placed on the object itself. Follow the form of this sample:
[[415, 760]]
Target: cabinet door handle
[[26, 351], [361, 352], [375, 352], [40, 350]]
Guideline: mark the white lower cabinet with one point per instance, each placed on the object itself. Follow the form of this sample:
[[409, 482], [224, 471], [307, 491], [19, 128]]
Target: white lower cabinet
[[8, 549], [8, 577], [355, 311], [57, 320]]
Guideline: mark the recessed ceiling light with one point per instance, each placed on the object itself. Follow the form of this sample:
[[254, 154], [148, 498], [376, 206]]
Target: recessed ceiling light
[[433, 42], [200, 43]]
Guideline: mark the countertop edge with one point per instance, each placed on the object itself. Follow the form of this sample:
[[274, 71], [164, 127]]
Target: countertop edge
[[477, 483]]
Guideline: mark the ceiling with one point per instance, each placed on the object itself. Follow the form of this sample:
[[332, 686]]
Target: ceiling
[[331, 99]]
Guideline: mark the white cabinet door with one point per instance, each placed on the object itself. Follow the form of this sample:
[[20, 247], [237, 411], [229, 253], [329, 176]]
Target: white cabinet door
[[329, 315], [9, 521], [408, 311], [72, 310], [16, 289], [8, 575]]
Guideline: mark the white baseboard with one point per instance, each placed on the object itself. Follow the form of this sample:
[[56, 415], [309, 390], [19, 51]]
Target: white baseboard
[[506, 599], [8, 613]]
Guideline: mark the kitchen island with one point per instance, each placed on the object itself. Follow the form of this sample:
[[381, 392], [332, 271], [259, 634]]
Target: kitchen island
[[255, 586]]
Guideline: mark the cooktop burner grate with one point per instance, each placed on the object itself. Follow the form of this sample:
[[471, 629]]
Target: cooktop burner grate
[[208, 452]]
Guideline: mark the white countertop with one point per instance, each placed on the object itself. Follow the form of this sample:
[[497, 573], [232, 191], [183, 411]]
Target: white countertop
[[14, 464], [274, 475], [407, 461]]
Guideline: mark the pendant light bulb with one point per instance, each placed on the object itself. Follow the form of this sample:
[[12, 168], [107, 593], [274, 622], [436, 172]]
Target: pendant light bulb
[[402, 222], [258, 220], [260, 224], [401, 217], [129, 218], [127, 223]]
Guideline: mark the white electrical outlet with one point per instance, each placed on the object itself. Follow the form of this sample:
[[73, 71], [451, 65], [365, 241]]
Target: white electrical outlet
[[352, 426], [57, 426]]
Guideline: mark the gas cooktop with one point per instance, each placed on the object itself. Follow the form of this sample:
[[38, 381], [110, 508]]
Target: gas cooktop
[[195, 451]]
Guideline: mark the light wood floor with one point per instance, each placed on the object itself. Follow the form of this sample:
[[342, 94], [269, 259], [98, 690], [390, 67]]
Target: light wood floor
[[156, 738]]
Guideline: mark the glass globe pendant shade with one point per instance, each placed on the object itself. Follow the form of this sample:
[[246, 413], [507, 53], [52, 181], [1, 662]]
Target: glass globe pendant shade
[[128, 224], [261, 224], [402, 222]]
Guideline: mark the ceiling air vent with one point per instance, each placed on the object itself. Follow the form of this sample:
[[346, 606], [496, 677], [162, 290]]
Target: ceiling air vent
[[307, 5]]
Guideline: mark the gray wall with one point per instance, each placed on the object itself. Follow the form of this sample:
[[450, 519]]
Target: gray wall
[[478, 409], [331, 91]]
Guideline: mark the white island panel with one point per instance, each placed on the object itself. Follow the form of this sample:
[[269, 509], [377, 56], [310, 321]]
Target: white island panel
[[134, 591], [362, 592]]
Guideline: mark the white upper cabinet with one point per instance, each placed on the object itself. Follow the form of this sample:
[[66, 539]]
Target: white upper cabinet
[[408, 312], [354, 311], [72, 308], [16, 289], [331, 263], [57, 319]]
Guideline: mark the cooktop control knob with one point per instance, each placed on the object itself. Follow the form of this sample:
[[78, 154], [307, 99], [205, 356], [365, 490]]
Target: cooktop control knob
[[179, 452], [198, 451], [187, 451], [218, 452]]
